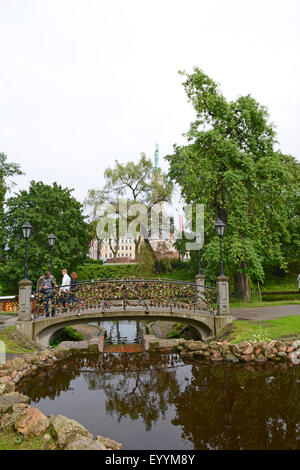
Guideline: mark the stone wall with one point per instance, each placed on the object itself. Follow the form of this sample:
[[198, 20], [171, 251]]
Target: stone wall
[[246, 351]]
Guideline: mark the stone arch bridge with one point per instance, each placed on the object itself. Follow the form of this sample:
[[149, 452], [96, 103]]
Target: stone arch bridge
[[193, 304]]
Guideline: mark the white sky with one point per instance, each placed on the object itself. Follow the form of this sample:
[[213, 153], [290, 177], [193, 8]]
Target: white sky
[[85, 82]]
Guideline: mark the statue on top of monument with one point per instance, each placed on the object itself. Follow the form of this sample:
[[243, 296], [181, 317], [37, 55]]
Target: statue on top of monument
[[156, 158]]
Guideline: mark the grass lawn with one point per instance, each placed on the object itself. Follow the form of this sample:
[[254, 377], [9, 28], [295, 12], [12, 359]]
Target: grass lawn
[[12, 343], [239, 304], [242, 330]]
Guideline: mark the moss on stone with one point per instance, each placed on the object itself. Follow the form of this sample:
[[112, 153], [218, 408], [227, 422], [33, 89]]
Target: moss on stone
[[14, 441]]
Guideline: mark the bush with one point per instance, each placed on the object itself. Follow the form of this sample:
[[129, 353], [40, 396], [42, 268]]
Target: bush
[[165, 264], [73, 335], [273, 298], [103, 271], [93, 261], [67, 334], [179, 264]]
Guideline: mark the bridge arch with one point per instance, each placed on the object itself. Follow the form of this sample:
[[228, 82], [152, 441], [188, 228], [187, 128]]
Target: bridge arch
[[45, 328]]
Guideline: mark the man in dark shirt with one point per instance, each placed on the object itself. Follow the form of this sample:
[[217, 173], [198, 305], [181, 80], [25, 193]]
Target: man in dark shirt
[[45, 285]]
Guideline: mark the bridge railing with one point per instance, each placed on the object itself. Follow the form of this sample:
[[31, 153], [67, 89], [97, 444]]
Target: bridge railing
[[105, 294]]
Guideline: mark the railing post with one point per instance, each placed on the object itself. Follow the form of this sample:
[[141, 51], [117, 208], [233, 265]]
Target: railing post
[[200, 286], [222, 295], [24, 323]]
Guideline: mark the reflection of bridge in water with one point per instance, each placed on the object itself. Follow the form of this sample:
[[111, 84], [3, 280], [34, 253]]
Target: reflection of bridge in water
[[128, 299]]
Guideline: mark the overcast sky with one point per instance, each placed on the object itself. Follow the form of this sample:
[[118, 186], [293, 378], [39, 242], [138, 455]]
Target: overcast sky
[[85, 82]]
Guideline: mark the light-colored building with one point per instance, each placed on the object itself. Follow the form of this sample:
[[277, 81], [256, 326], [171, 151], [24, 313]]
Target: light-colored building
[[126, 250]]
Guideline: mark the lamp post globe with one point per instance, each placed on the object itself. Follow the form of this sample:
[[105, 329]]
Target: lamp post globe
[[26, 230], [220, 228], [51, 241]]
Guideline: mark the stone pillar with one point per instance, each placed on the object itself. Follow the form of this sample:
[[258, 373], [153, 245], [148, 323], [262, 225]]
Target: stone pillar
[[24, 323], [25, 288], [222, 295], [200, 283]]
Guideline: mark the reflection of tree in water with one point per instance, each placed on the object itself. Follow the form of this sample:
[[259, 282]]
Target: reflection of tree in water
[[51, 382], [236, 409], [146, 389], [136, 385], [146, 395], [219, 407]]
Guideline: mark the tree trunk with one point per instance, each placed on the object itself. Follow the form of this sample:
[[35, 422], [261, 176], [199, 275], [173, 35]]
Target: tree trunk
[[241, 287]]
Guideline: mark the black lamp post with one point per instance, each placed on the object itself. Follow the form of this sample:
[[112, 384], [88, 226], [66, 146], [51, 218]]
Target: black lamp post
[[220, 227], [198, 241], [26, 229], [51, 241]]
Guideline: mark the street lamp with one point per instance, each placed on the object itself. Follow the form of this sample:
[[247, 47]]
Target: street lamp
[[26, 229], [220, 227], [198, 241], [51, 241]]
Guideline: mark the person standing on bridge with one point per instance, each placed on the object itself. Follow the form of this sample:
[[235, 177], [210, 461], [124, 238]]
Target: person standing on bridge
[[74, 287], [65, 286], [45, 285]]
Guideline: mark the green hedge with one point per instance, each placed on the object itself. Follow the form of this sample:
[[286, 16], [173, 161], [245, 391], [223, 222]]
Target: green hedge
[[274, 297], [91, 271]]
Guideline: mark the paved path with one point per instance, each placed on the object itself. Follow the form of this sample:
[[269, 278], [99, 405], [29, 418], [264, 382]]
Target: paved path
[[7, 321], [265, 313]]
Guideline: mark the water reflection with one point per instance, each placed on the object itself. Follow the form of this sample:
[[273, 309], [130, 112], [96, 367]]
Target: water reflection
[[121, 331], [159, 402]]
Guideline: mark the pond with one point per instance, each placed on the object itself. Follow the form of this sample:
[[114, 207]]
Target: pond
[[160, 402]]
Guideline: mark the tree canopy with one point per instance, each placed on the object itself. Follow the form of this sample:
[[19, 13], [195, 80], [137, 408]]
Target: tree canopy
[[139, 183], [232, 166], [49, 209], [7, 170]]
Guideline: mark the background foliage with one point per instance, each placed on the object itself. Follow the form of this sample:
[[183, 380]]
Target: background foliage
[[49, 209]]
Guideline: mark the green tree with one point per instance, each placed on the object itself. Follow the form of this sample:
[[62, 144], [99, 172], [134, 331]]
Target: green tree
[[138, 182], [231, 166], [146, 261], [48, 209], [7, 170]]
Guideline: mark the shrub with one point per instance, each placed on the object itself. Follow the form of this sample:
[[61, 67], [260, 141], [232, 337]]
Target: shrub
[[260, 335], [165, 264], [88, 271], [67, 334]]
